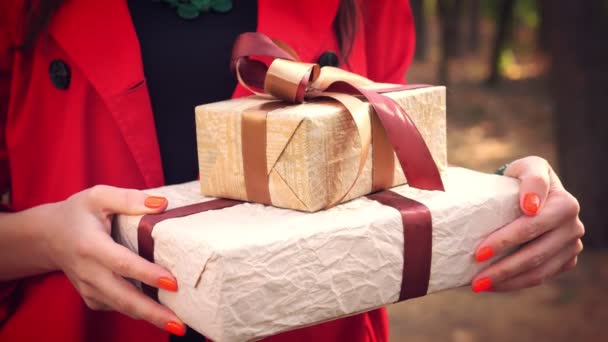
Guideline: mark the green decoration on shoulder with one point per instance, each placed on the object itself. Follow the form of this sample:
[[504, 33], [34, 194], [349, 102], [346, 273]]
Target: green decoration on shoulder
[[202, 5], [222, 6], [191, 9], [187, 11]]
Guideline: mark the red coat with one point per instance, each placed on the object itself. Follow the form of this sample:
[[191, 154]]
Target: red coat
[[55, 142]]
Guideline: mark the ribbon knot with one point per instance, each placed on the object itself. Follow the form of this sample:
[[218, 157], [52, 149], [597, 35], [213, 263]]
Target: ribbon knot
[[291, 81]]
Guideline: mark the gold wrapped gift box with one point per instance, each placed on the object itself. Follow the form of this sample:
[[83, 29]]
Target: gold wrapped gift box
[[312, 149]]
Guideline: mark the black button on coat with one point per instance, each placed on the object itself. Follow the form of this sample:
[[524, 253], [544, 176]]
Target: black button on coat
[[60, 74]]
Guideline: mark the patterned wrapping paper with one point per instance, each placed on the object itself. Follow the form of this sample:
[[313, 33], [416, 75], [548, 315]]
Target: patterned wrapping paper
[[312, 149], [251, 270]]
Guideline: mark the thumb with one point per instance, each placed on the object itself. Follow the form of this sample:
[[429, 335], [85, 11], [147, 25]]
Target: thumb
[[533, 172], [108, 200]]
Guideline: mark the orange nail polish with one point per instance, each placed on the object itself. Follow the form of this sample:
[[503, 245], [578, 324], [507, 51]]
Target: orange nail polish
[[167, 283], [176, 328], [531, 203], [484, 253], [482, 284], [155, 202]]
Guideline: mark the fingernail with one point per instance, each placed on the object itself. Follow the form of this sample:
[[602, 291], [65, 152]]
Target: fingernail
[[484, 253], [531, 203], [176, 328], [167, 283], [482, 284], [154, 202]]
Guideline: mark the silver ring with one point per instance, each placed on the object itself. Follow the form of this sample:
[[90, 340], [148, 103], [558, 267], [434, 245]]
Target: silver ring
[[501, 170]]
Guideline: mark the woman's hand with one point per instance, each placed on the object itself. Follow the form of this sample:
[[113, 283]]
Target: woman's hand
[[80, 244], [550, 229]]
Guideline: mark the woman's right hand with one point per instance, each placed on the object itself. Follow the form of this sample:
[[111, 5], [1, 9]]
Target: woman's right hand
[[79, 244]]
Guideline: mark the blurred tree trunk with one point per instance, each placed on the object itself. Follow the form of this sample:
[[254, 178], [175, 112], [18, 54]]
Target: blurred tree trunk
[[503, 30], [474, 25], [444, 29], [420, 23], [456, 47], [545, 25], [450, 14], [579, 50]]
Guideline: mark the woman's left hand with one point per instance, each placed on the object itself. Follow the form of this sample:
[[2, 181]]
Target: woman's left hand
[[550, 229]]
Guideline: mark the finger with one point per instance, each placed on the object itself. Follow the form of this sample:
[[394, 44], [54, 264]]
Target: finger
[[535, 180], [111, 200], [532, 256], [560, 209], [125, 298], [570, 264], [538, 275], [124, 262], [88, 291], [556, 183], [97, 305]]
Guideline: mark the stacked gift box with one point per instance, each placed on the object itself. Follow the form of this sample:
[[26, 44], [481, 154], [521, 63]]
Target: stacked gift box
[[328, 196]]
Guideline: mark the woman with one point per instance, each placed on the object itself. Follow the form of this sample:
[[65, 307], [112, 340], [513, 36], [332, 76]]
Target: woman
[[101, 92]]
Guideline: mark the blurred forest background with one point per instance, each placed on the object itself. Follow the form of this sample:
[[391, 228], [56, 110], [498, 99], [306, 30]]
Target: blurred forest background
[[524, 77]]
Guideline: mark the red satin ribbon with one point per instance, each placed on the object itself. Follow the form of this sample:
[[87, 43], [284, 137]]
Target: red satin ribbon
[[417, 242]]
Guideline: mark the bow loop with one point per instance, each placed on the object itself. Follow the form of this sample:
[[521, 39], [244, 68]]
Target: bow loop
[[290, 80], [329, 75], [255, 44]]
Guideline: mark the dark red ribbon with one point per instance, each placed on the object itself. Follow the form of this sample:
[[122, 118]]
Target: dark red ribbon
[[417, 242]]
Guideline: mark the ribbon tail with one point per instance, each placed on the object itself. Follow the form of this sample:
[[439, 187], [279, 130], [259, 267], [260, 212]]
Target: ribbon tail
[[358, 111], [413, 154]]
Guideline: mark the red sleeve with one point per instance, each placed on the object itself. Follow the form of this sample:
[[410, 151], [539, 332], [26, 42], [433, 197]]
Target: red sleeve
[[389, 39], [7, 23], [7, 289]]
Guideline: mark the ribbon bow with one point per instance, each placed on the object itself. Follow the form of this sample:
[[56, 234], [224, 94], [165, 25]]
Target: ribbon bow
[[289, 79]]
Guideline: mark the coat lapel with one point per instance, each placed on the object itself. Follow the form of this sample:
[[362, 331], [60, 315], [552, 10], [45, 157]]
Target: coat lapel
[[99, 36], [100, 39]]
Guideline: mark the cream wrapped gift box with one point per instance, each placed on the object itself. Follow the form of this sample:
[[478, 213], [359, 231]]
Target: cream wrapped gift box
[[250, 271], [312, 149]]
